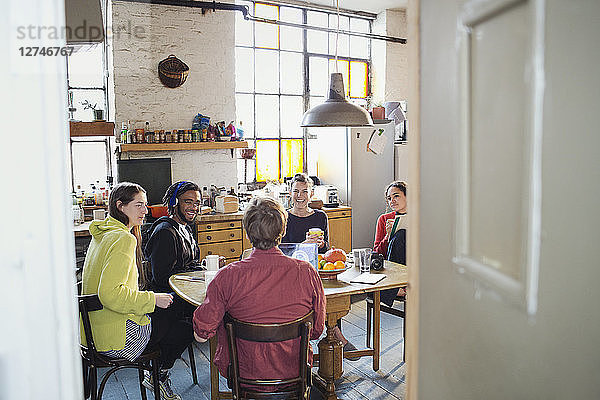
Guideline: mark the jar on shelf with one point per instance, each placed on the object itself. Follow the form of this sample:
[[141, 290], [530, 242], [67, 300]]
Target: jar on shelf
[[139, 135], [161, 136]]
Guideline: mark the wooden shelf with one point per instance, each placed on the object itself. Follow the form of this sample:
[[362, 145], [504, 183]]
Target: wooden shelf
[[96, 128], [182, 146]]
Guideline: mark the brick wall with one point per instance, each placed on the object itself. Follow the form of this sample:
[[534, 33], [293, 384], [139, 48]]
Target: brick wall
[[145, 34]]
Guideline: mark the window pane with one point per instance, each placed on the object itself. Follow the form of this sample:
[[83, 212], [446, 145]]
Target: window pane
[[267, 35], [316, 100], [267, 160], [85, 68], [312, 154], [316, 41], [243, 28], [343, 40], [342, 67], [292, 157], [291, 116], [95, 97], [318, 80], [244, 69], [290, 38], [359, 47], [267, 116], [247, 168], [244, 109], [358, 79], [291, 72], [267, 71], [89, 163]]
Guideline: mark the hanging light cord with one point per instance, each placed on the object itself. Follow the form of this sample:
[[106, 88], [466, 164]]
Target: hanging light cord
[[337, 33]]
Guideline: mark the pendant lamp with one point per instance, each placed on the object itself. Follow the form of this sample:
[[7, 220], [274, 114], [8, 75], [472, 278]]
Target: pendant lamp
[[337, 110]]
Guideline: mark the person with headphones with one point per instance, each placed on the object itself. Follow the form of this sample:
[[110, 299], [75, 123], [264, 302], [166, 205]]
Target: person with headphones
[[171, 249]]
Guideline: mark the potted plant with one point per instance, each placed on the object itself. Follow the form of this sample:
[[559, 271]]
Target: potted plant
[[98, 114]]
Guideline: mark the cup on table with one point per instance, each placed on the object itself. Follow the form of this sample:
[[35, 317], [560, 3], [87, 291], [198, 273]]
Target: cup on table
[[362, 259], [316, 231], [211, 262], [365, 262], [209, 276]]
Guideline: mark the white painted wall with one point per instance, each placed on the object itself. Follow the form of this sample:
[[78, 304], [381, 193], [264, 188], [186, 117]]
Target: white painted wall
[[389, 60], [206, 44]]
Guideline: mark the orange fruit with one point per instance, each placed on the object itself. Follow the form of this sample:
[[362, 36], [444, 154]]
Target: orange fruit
[[320, 256], [339, 265], [328, 266]]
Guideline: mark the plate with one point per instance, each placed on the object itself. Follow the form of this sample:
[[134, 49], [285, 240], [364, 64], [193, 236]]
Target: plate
[[333, 273]]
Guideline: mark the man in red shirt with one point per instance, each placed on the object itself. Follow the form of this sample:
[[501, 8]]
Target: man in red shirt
[[266, 287]]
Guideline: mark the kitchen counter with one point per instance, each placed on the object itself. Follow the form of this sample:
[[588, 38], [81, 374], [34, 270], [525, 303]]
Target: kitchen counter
[[240, 214]]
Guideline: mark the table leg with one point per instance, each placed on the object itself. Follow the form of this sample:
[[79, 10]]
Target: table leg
[[330, 363], [214, 372], [376, 329]]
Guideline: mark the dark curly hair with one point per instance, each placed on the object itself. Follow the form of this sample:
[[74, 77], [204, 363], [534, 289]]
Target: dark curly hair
[[176, 190]]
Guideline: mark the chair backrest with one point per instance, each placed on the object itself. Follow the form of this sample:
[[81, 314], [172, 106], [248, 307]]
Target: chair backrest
[[87, 303], [297, 387]]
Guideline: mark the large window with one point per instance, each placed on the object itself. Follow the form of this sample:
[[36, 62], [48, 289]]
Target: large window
[[90, 157], [282, 71]]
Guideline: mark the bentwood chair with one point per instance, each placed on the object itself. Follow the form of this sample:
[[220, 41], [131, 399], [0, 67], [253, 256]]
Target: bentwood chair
[[293, 388], [390, 310], [92, 359]]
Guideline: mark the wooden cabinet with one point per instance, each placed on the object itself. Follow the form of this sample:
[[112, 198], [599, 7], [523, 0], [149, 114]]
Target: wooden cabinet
[[340, 227], [222, 235]]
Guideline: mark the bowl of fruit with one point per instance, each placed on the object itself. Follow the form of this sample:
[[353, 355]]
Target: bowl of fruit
[[332, 263]]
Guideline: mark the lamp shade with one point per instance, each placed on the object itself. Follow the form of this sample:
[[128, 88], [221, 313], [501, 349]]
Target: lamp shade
[[336, 111]]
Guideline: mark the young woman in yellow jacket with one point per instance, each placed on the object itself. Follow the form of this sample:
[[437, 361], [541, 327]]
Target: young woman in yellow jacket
[[122, 328]]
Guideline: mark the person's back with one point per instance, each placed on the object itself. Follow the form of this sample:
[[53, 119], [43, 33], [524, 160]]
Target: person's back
[[266, 287]]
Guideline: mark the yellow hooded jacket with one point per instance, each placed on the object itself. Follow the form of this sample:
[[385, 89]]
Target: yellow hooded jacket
[[110, 271]]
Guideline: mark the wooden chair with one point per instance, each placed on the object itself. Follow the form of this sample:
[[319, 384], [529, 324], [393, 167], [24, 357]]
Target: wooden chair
[[92, 359], [389, 310], [293, 388]]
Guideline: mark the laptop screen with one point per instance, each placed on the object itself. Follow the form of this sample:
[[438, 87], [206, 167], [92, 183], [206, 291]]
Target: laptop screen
[[302, 251]]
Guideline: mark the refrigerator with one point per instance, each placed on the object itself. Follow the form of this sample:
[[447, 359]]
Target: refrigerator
[[360, 175]]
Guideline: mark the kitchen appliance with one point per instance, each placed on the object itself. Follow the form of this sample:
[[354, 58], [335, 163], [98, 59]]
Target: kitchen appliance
[[360, 175], [328, 194], [227, 204]]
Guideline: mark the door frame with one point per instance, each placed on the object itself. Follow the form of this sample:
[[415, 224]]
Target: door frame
[[411, 342]]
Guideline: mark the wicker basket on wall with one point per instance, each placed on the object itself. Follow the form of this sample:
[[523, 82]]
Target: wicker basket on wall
[[172, 71]]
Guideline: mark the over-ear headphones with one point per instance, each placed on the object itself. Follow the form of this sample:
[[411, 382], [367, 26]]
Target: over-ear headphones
[[173, 198]]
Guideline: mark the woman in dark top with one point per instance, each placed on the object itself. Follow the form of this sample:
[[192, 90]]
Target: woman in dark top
[[301, 218]]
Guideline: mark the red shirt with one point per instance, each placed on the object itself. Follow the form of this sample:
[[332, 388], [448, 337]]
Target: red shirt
[[381, 242], [267, 287]]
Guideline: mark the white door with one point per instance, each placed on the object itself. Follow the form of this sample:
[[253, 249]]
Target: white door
[[509, 259]]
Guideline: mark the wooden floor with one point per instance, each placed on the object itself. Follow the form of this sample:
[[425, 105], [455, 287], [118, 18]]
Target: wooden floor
[[358, 382]]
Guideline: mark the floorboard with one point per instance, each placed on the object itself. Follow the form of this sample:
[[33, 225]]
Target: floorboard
[[359, 381]]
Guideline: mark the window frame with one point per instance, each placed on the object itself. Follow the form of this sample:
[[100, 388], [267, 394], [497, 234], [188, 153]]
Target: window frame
[[108, 145], [306, 94]]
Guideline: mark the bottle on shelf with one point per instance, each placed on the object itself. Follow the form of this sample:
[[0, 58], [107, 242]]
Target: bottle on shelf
[[239, 131], [205, 197], [123, 135]]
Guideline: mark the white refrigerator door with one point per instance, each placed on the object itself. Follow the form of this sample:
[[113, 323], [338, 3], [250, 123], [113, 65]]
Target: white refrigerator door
[[369, 176]]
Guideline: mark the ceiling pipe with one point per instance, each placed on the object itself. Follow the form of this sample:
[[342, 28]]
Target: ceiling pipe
[[212, 5]]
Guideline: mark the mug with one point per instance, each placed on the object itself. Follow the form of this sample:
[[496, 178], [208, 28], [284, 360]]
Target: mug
[[211, 262], [209, 276]]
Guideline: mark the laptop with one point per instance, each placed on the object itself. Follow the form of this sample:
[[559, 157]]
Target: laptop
[[302, 251]]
